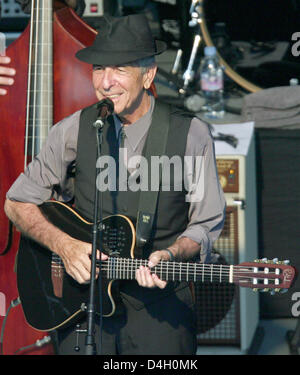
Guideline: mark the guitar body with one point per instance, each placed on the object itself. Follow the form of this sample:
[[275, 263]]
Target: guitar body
[[42, 308]]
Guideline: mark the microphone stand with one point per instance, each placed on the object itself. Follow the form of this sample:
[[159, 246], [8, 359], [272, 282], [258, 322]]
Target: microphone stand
[[90, 335]]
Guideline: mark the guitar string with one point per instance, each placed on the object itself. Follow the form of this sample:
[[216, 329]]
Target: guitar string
[[197, 268], [181, 272], [124, 268], [175, 275], [187, 265]]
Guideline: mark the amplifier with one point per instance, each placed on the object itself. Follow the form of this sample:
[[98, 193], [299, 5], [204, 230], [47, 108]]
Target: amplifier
[[228, 314], [12, 18]]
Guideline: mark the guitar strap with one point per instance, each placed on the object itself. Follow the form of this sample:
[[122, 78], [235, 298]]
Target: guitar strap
[[155, 146]]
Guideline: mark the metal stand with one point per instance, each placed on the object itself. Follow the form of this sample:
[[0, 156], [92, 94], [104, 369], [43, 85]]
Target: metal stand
[[293, 339], [90, 336], [105, 107], [181, 83]]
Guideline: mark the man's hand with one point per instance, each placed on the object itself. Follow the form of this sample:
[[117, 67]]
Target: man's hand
[[144, 276], [76, 256], [6, 74]]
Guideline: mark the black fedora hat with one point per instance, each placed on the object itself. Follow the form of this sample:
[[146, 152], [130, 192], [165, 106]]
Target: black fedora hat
[[122, 40]]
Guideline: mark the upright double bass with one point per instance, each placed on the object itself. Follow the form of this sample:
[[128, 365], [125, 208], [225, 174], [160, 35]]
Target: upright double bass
[[50, 84]]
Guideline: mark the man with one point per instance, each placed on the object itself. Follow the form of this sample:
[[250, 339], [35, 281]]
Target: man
[[157, 316]]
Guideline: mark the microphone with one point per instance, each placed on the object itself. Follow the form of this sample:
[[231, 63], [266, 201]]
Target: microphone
[[105, 108]]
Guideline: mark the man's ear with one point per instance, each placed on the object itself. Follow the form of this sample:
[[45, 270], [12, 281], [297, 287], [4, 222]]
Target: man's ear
[[149, 76]]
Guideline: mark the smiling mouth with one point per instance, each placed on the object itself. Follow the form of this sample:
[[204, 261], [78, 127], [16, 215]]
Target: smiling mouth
[[113, 97]]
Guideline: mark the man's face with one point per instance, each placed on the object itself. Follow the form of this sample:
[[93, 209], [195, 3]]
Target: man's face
[[125, 86]]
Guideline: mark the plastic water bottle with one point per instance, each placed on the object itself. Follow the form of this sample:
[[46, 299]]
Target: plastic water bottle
[[212, 83], [294, 82]]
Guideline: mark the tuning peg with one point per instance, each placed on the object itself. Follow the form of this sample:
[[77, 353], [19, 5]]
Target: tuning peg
[[275, 260], [286, 262], [263, 260], [255, 289], [265, 290], [276, 290]]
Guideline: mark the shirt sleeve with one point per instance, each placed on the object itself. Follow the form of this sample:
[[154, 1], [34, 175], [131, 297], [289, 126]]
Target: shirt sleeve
[[46, 176], [207, 202]]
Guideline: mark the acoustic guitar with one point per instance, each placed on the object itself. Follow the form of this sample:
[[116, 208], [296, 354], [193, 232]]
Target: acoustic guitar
[[51, 298]]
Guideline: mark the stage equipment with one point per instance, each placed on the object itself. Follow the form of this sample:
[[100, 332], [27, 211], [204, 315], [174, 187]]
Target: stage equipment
[[266, 52], [186, 81], [255, 55], [278, 208], [95, 9], [277, 123], [12, 20], [237, 243]]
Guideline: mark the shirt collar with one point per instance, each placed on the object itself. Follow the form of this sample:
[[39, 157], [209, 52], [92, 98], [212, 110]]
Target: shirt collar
[[137, 130]]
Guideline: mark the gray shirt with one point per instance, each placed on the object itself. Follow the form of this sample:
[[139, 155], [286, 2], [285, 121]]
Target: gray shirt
[[46, 176]]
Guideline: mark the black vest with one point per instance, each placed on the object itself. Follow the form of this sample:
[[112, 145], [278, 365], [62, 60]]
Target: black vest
[[172, 209]]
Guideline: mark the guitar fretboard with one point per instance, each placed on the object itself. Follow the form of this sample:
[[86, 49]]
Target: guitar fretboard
[[250, 275], [124, 268]]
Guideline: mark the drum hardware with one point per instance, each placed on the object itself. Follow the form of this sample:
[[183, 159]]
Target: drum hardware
[[185, 84]]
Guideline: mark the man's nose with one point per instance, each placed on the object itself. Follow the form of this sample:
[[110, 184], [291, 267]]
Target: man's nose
[[107, 79]]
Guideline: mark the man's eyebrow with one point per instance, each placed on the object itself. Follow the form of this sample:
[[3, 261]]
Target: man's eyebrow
[[96, 66], [112, 66]]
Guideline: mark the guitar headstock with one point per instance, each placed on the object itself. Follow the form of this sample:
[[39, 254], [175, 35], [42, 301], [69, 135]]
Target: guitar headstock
[[266, 275]]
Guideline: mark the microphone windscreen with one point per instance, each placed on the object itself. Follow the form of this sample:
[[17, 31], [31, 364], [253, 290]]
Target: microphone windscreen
[[105, 107]]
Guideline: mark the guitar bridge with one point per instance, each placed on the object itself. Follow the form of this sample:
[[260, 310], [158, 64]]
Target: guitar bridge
[[57, 275]]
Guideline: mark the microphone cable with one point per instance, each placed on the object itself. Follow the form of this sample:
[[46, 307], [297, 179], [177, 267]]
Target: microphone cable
[[39, 343], [13, 303]]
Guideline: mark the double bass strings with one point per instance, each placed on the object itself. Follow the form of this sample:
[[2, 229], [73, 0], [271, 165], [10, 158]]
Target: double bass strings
[[39, 107]]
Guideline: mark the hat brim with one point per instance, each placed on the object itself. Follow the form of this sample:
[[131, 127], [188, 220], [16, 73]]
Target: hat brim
[[92, 55]]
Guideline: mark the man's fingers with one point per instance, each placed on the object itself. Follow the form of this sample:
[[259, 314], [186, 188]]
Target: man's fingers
[[144, 278], [158, 282], [148, 280], [4, 70], [5, 59], [155, 258], [5, 74], [103, 256]]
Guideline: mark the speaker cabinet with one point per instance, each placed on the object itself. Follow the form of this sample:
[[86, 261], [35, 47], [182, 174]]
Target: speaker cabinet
[[278, 190], [228, 314]]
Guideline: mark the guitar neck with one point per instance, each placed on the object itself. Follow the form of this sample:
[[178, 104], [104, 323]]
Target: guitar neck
[[256, 275], [124, 268]]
